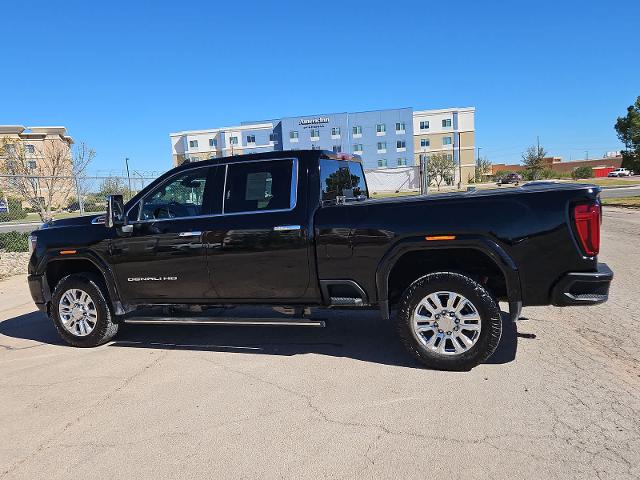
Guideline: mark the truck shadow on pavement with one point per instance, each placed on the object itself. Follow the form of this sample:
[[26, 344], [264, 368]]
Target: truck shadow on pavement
[[358, 335]]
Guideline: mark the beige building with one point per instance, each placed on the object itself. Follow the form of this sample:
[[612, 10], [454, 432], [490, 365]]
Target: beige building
[[38, 151], [448, 131]]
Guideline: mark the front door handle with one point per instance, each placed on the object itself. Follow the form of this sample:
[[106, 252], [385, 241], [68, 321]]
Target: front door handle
[[283, 228], [189, 234]]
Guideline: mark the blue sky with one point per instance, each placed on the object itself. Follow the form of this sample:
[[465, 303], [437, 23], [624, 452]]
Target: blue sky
[[122, 75]]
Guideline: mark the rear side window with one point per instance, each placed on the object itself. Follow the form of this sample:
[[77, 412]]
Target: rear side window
[[341, 178], [260, 186]]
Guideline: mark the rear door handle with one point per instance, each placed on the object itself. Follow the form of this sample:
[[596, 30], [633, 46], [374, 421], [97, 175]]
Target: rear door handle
[[282, 228], [190, 234]]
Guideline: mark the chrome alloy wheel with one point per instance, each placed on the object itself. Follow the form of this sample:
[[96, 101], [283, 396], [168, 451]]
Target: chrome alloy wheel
[[446, 323], [78, 312]]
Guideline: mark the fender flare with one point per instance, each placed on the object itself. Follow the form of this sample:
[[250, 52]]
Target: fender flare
[[98, 262], [487, 246]]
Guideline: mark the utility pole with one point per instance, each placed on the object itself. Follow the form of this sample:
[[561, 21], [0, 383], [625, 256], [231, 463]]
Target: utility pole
[[479, 148], [126, 161], [586, 154]]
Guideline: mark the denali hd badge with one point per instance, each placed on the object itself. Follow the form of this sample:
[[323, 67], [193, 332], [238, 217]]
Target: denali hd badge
[[151, 279]]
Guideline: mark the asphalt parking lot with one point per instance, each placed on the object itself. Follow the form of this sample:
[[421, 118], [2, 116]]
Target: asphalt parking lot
[[560, 398]]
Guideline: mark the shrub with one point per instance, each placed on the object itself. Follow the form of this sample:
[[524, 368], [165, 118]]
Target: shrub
[[582, 172], [16, 212], [14, 241]]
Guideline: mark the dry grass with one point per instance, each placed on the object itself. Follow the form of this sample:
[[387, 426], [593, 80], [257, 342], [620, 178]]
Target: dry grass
[[627, 202]]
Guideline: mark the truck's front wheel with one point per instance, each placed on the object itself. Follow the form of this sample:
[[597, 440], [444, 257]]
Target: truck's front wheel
[[80, 311], [448, 321]]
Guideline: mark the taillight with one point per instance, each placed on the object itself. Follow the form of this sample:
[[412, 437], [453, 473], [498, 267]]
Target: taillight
[[587, 220]]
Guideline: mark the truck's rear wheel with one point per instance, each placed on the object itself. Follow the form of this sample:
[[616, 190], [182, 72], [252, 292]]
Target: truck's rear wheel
[[448, 321], [80, 311]]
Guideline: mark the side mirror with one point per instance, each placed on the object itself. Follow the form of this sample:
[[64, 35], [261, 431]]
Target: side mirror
[[115, 211]]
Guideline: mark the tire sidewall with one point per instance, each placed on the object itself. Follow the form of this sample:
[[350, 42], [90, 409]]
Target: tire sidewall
[[101, 332], [487, 307]]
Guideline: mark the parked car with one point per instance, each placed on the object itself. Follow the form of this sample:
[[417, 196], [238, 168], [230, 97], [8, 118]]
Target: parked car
[[297, 228], [510, 178], [620, 172]]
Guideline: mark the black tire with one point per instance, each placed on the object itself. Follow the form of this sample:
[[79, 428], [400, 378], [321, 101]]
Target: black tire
[[487, 308], [104, 330]]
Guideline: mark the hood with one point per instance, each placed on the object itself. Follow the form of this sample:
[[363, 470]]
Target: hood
[[73, 222]]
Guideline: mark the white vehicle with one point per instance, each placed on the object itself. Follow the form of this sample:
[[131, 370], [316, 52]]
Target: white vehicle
[[620, 172]]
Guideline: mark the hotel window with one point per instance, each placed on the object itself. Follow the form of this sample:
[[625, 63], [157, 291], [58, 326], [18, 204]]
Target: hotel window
[[424, 142], [233, 140], [449, 156], [213, 142], [382, 162], [424, 125], [315, 133], [402, 162], [446, 140], [401, 144], [446, 122], [31, 164], [293, 135], [382, 146], [357, 130], [357, 147], [400, 127], [337, 149], [272, 137], [30, 148], [251, 139], [381, 128], [335, 131], [193, 143]]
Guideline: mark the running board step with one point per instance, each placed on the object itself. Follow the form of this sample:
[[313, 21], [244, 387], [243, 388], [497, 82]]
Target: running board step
[[345, 301], [284, 322]]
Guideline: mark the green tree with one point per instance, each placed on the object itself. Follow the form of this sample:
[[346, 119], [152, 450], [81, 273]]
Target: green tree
[[533, 160], [441, 168], [483, 169], [628, 129]]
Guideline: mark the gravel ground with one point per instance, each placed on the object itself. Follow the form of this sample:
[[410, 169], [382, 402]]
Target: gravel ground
[[13, 263], [559, 400]]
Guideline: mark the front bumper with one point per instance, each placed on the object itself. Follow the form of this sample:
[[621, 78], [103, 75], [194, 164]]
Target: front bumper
[[583, 288], [39, 291]]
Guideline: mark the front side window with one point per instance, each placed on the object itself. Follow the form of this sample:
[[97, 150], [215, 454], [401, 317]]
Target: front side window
[[400, 127], [382, 146], [357, 147], [193, 143], [251, 139], [424, 142], [259, 186], [382, 162], [401, 144], [31, 164], [30, 148], [446, 140], [424, 125], [233, 140], [357, 130], [272, 137], [315, 133], [182, 196], [335, 131], [213, 142], [381, 128], [446, 123], [402, 162], [337, 149], [293, 135]]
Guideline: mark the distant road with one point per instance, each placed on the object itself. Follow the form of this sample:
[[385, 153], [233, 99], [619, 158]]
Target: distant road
[[19, 227], [632, 191]]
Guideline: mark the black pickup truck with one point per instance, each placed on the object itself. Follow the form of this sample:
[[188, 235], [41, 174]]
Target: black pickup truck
[[298, 229]]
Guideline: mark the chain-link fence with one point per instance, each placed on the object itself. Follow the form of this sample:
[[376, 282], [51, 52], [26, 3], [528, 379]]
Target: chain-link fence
[[28, 200]]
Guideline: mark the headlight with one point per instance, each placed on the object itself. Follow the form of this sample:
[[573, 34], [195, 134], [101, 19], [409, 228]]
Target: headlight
[[33, 240]]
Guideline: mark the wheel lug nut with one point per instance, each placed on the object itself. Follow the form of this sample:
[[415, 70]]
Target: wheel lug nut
[[448, 333], [439, 330], [457, 320], [456, 328]]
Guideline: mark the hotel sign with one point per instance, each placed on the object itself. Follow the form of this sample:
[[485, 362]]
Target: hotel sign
[[314, 121]]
